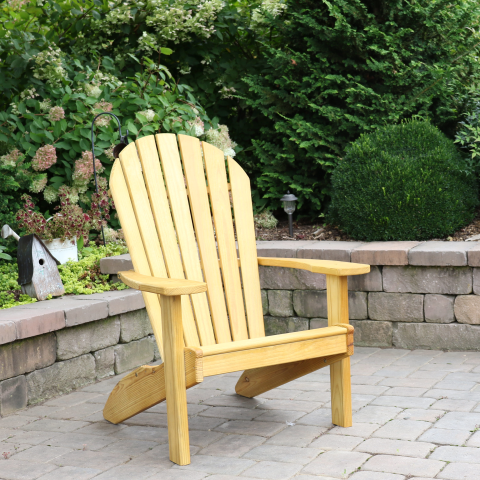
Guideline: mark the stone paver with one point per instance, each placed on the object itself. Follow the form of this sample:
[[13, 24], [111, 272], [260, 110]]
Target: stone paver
[[416, 416], [404, 465]]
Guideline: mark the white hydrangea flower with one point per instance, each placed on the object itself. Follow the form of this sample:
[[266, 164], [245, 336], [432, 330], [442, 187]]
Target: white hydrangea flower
[[148, 114], [48, 66], [220, 138], [273, 7]]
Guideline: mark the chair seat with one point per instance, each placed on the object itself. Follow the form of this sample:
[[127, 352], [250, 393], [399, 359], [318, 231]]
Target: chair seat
[[276, 349]]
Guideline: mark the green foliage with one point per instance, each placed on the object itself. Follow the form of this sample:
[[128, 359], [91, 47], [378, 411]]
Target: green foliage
[[468, 134], [403, 182], [265, 219], [82, 277], [30, 27], [348, 67], [211, 55], [4, 256], [9, 288], [50, 132]]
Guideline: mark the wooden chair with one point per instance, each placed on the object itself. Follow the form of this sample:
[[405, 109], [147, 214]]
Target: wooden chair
[[204, 303]]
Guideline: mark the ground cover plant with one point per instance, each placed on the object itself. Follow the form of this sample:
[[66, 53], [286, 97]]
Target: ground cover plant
[[403, 182], [82, 277]]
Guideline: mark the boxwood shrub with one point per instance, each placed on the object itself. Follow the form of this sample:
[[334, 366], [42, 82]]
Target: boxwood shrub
[[403, 182]]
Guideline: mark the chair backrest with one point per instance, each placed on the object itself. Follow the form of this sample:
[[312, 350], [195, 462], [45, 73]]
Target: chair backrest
[[176, 214]]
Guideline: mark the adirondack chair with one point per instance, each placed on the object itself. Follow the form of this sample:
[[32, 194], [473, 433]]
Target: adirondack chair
[[202, 299]]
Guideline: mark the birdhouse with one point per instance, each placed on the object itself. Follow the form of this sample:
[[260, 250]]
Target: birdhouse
[[38, 273]]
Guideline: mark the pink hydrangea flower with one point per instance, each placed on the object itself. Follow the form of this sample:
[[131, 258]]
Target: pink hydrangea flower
[[84, 167], [44, 158], [104, 120], [56, 114]]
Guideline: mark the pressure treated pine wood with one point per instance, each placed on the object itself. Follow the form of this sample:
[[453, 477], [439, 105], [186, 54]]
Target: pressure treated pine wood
[[182, 216]]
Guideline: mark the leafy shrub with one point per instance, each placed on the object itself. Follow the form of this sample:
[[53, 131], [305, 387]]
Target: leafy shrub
[[403, 182], [348, 67], [265, 219], [468, 133]]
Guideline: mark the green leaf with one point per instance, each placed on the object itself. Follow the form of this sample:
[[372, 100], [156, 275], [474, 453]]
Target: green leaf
[[80, 106], [132, 128], [63, 145], [166, 51]]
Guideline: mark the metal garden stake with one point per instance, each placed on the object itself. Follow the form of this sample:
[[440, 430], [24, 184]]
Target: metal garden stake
[[116, 151]]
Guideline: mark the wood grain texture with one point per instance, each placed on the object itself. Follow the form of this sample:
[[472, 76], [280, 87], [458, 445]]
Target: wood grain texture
[[175, 182], [126, 215], [273, 355], [162, 286], [177, 417], [222, 216], [256, 381], [328, 267], [281, 339], [202, 219], [157, 194], [340, 386], [145, 387], [247, 247]]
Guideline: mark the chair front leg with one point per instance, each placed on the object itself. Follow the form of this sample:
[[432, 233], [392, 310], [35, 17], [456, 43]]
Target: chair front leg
[[176, 392], [340, 381]]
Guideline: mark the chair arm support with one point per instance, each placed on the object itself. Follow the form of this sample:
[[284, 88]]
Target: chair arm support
[[329, 267], [163, 286]]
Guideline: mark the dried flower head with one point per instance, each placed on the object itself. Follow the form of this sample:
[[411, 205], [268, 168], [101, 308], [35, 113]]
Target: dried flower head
[[198, 126], [50, 194], [104, 106], [39, 183], [84, 167], [56, 114], [220, 138], [13, 158], [44, 158]]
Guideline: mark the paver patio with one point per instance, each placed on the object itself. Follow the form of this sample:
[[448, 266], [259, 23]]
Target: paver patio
[[417, 416]]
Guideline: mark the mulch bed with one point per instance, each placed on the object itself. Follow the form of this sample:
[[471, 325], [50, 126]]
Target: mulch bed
[[316, 231]]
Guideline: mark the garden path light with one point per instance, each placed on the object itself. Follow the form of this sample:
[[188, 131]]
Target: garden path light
[[289, 206]]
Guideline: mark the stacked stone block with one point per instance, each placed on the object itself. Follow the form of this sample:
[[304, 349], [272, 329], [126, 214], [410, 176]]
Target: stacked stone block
[[70, 343], [417, 295]]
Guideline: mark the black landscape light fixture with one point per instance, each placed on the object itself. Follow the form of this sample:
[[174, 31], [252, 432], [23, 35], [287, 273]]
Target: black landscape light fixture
[[116, 151], [289, 206]]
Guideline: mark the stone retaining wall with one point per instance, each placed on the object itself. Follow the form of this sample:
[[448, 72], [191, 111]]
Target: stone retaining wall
[[52, 347], [417, 295]]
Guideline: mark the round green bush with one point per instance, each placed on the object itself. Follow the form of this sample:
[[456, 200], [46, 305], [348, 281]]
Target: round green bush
[[403, 182]]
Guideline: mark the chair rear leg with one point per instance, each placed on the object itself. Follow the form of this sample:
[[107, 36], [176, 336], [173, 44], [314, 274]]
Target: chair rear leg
[[341, 392]]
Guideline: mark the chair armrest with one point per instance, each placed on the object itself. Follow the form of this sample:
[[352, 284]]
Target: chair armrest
[[329, 267], [163, 286]]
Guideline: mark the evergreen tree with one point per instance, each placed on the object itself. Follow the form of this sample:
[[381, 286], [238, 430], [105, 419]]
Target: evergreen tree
[[348, 67]]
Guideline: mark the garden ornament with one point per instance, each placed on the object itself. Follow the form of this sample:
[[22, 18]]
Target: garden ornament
[[116, 151], [289, 206], [38, 273]]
